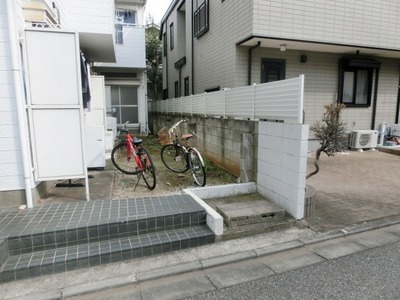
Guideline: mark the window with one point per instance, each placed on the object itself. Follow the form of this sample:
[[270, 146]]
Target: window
[[200, 19], [186, 88], [119, 34], [124, 101], [171, 36], [165, 43], [355, 81], [123, 18], [272, 70], [177, 94], [357, 87]]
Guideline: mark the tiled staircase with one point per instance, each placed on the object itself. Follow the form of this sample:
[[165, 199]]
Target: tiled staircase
[[62, 237]]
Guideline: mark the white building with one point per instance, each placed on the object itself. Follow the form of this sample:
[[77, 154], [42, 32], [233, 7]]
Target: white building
[[43, 123], [347, 50]]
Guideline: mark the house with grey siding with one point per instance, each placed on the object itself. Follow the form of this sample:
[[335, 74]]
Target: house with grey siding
[[110, 34], [348, 51]]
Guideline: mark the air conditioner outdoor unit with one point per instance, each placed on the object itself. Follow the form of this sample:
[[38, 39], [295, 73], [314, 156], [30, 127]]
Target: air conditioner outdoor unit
[[363, 139]]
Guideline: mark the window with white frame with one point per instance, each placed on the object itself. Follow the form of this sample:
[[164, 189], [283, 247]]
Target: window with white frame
[[200, 19], [123, 18], [124, 102]]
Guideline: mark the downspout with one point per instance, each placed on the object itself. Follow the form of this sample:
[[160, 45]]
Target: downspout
[[249, 61], [397, 117], [192, 52], [375, 100], [16, 69]]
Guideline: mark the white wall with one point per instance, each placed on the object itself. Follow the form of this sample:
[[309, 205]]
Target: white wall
[[367, 23], [95, 16], [132, 53], [11, 166], [282, 164]]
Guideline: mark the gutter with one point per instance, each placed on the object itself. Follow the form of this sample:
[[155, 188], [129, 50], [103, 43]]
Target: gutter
[[20, 100], [249, 61]]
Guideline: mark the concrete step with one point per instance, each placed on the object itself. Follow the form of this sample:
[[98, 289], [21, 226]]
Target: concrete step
[[257, 228], [249, 217], [250, 212]]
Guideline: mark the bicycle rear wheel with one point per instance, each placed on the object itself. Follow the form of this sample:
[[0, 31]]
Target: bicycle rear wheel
[[149, 170], [120, 160], [174, 158], [197, 167]]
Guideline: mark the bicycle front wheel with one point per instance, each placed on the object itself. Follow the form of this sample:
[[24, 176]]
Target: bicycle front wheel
[[197, 167], [174, 158], [123, 162], [149, 170]]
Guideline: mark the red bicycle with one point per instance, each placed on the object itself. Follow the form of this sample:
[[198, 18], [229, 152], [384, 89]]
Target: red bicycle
[[131, 158]]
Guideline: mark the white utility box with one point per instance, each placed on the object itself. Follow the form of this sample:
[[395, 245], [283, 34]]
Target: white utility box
[[95, 146]]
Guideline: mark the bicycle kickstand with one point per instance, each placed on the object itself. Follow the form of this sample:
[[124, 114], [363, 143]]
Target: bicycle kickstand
[[138, 176]]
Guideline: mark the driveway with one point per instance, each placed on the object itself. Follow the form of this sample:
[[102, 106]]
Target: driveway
[[355, 187]]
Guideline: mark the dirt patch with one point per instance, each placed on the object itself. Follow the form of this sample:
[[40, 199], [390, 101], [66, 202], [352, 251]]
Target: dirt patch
[[168, 182]]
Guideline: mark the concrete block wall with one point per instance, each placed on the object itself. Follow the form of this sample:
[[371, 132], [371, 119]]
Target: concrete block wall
[[226, 142], [282, 164]]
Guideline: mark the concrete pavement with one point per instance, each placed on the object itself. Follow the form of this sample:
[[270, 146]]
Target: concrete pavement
[[357, 194], [189, 272]]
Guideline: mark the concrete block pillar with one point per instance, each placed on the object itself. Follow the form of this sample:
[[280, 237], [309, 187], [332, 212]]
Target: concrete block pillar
[[247, 157]]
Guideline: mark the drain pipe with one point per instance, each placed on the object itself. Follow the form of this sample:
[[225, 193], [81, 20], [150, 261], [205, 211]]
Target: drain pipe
[[16, 69], [249, 61], [375, 100], [397, 117]]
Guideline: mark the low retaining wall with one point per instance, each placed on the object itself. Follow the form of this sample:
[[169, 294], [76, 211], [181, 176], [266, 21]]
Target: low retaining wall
[[272, 154]]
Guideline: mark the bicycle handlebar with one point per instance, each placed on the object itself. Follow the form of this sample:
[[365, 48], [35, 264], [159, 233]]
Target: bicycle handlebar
[[177, 124]]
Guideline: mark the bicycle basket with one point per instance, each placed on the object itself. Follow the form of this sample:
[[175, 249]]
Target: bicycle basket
[[165, 136]]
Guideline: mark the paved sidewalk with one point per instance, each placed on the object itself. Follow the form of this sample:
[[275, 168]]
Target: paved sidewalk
[[357, 192], [139, 274]]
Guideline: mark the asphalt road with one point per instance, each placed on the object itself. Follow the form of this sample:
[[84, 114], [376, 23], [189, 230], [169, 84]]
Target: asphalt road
[[366, 266], [370, 274]]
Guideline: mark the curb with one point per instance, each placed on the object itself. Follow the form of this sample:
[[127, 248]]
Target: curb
[[215, 261]]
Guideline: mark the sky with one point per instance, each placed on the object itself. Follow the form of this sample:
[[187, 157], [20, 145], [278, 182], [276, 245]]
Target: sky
[[157, 9]]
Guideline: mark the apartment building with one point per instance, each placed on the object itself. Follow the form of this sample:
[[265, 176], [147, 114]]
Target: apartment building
[[65, 65], [347, 50]]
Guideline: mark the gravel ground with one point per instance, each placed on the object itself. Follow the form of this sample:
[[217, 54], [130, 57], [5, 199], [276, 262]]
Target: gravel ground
[[168, 182]]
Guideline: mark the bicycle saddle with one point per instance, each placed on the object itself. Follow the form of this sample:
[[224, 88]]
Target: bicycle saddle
[[186, 136], [137, 141]]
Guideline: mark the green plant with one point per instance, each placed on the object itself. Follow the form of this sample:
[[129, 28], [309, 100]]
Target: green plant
[[330, 132]]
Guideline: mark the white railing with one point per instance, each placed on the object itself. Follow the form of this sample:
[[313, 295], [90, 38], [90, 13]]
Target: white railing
[[279, 100]]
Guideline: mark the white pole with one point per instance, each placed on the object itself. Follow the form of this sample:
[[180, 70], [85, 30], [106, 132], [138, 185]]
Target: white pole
[[21, 110]]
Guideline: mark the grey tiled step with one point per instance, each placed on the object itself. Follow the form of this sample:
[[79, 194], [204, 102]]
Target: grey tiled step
[[108, 229], [102, 252]]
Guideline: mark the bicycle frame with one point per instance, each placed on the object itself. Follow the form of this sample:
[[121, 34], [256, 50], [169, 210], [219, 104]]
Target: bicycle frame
[[172, 132], [131, 149]]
